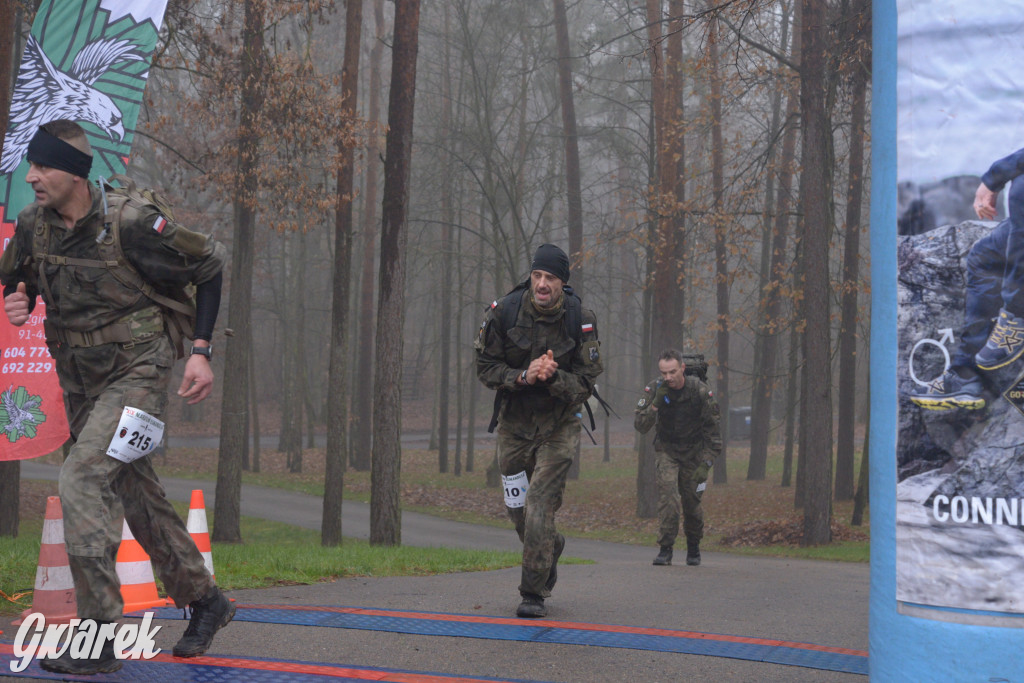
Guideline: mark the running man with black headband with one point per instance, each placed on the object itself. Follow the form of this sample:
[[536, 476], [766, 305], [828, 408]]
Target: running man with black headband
[[114, 359]]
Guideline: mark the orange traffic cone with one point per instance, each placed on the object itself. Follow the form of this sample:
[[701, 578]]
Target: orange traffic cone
[[198, 529], [54, 594], [135, 571]]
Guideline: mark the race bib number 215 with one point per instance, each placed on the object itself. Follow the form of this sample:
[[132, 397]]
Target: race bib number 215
[[138, 433]]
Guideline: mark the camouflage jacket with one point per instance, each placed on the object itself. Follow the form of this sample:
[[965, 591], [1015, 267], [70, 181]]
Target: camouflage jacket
[[84, 299], [687, 420], [502, 355]]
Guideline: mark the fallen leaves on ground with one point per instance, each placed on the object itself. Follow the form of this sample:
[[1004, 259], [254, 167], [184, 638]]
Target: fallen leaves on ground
[[781, 532]]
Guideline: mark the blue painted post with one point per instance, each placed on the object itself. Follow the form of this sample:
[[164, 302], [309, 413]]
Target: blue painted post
[[931, 644]]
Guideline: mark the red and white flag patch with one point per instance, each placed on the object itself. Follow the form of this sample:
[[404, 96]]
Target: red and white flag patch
[[588, 327], [159, 224]]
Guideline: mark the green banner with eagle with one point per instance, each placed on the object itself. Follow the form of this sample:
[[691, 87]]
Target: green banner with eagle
[[86, 61]]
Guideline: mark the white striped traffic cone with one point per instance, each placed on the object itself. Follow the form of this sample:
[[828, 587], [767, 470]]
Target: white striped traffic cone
[[135, 571], [198, 529], [54, 594]]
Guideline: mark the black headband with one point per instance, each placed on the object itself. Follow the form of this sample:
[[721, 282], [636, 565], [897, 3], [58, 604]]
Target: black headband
[[48, 150]]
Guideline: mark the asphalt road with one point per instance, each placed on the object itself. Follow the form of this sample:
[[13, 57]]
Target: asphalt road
[[823, 603]]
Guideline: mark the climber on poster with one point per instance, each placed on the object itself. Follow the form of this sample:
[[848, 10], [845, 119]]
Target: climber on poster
[[993, 333]]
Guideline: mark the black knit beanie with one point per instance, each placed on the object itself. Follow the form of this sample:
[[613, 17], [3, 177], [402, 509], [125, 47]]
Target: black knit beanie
[[551, 259]]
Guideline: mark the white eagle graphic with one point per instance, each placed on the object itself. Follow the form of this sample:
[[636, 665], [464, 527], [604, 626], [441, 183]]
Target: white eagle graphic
[[18, 416], [44, 93]]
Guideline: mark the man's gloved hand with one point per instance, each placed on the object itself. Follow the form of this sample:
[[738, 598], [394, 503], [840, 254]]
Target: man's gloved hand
[[700, 475], [660, 394]]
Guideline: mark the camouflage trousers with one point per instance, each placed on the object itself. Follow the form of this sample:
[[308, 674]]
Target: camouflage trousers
[[95, 488], [678, 494], [546, 461]]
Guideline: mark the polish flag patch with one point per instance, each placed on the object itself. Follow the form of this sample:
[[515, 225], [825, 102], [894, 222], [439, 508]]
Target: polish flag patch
[[494, 304], [159, 224], [588, 327]]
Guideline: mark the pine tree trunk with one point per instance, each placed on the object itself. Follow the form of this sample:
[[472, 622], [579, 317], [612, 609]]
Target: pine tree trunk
[[10, 471], [337, 404], [385, 479], [362, 416], [816, 199], [721, 230], [771, 323], [851, 261], [10, 497], [234, 409]]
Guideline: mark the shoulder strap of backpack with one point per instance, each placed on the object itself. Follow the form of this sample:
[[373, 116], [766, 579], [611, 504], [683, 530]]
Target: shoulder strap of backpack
[[126, 274], [507, 317], [574, 315], [40, 247], [574, 319], [511, 304]]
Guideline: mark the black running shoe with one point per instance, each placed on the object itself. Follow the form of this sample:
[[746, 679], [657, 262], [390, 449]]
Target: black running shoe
[[951, 391], [1005, 343]]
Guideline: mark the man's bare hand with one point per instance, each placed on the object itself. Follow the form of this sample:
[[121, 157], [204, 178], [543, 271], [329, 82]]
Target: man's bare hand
[[985, 202], [546, 366], [198, 380], [16, 306], [541, 368]]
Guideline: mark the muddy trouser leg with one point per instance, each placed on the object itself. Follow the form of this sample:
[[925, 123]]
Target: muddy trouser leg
[[551, 458], [693, 512], [516, 454], [669, 501], [91, 509], [91, 484], [161, 533]]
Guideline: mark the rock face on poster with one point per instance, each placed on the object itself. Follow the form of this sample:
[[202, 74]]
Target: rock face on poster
[[960, 496], [930, 292]]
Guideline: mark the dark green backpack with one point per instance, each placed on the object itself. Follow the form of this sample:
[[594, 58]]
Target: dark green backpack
[[512, 302], [179, 307]]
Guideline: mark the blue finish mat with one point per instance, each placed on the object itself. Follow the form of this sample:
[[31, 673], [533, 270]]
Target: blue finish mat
[[548, 631]]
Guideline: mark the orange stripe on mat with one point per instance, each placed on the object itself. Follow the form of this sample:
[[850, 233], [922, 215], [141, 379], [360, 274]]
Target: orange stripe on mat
[[508, 621]]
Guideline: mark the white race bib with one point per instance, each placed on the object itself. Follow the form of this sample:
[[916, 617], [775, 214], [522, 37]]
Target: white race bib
[[516, 487], [138, 433]]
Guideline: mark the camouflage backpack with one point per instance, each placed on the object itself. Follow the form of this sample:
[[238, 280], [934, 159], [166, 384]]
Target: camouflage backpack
[[178, 307], [696, 366]]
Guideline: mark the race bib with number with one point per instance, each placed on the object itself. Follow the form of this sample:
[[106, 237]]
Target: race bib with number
[[516, 487], [138, 433]]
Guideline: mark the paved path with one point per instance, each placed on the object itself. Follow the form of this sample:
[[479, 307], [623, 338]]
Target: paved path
[[823, 603]]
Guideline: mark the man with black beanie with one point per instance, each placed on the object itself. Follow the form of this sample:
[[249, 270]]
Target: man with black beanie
[[543, 371]]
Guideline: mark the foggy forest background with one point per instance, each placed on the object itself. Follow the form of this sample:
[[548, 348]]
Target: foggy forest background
[[381, 171]]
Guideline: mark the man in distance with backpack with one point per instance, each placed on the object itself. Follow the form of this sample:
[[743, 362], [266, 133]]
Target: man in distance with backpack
[[114, 356], [538, 348], [686, 444]]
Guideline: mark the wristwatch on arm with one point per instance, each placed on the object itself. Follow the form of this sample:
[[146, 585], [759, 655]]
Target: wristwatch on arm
[[201, 351]]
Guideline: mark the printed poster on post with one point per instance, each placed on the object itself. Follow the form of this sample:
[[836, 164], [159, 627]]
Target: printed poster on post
[[960, 294], [87, 61]]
